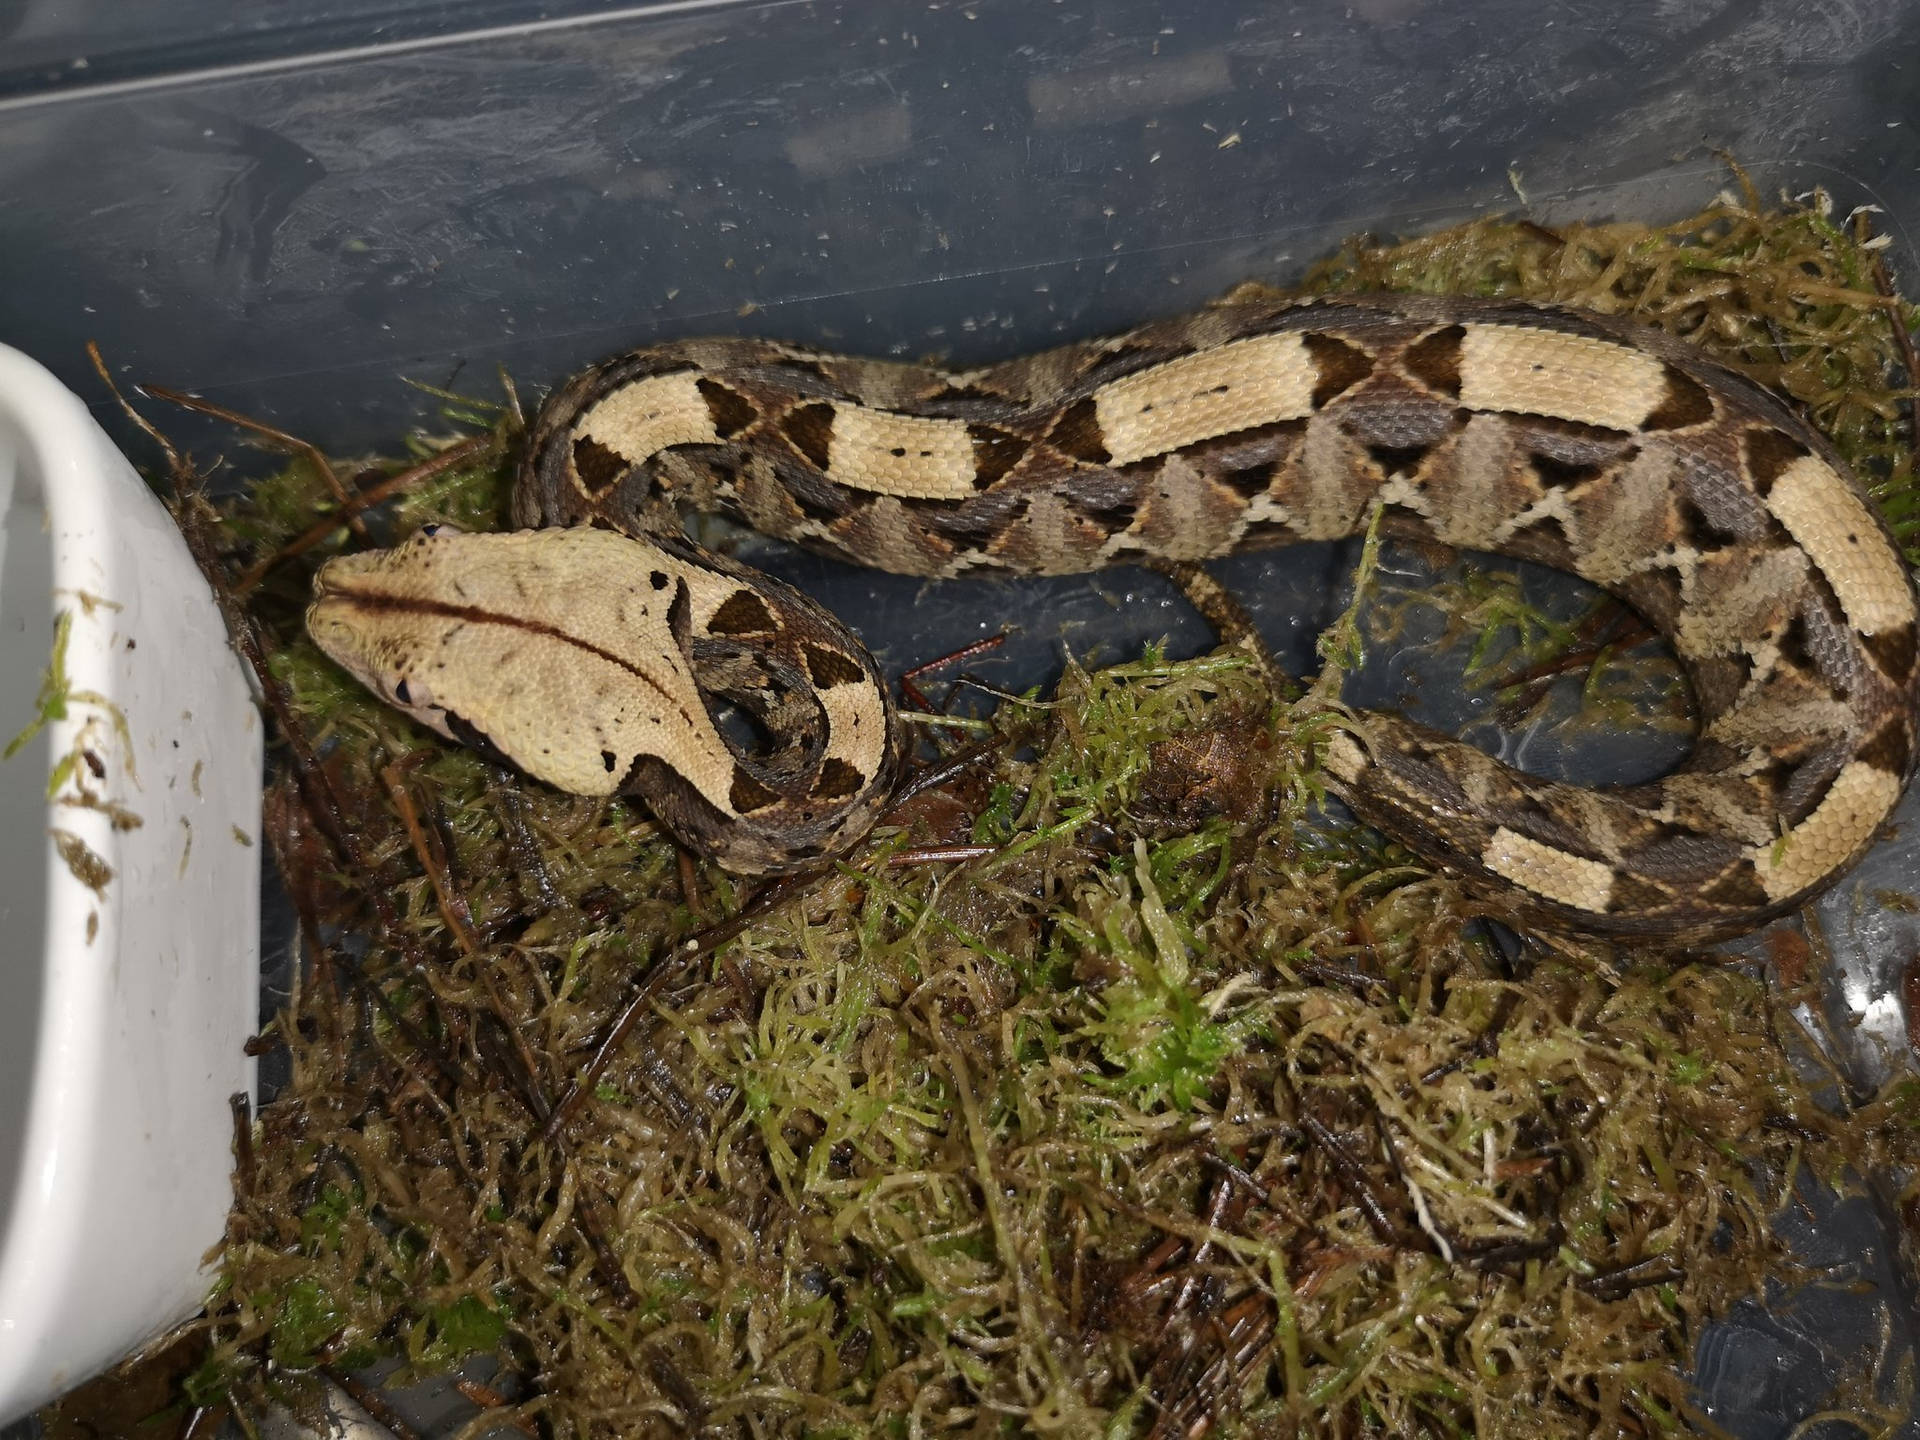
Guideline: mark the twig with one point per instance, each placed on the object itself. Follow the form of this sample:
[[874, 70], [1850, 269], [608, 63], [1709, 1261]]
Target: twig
[[193, 516], [428, 469], [371, 1401], [241, 1107], [1485, 1045], [911, 692], [665, 967], [1353, 1175], [939, 854], [690, 883], [454, 909], [1902, 337], [279, 437], [590, 1209], [1349, 976], [492, 1402], [940, 773], [1599, 632], [176, 463], [1623, 1280], [511, 804]]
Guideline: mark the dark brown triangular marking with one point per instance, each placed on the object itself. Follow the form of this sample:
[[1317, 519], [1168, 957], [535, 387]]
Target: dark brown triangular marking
[[1535, 817], [1548, 528], [962, 394], [1115, 515], [1720, 680], [596, 464], [965, 403], [1398, 459], [1658, 595], [1077, 433], [731, 411], [1685, 403], [798, 368], [743, 613], [830, 668], [1774, 777], [1795, 644], [1338, 365], [1434, 360], [810, 428], [994, 453], [658, 579], [1893, 651], [1806, 786], [1824, 597], [1769, 452], [816, 495], [1241, 449], [837, 780], [1698, 531], [964, 524], [1887, 749], [1634, 896], [747, 794], [1563, 474], [1249, 482], [1739, 888]]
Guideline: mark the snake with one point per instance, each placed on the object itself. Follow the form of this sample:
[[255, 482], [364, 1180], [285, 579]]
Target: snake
[[599, 649]]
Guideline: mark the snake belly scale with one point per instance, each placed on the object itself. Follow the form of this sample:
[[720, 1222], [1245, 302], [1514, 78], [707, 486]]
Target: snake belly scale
[[1582, 442]]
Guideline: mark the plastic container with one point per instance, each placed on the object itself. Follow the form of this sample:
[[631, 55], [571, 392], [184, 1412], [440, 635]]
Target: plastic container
[[292, 207], [129, 914]]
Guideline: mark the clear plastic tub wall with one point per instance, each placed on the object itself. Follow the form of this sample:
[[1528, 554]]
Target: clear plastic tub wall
[[292, 207]]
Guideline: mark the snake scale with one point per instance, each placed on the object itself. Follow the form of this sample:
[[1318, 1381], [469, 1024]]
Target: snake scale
[[596, 647]]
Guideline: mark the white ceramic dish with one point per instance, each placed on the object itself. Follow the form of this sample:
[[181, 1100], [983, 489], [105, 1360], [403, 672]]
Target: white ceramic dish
[[129, 952]]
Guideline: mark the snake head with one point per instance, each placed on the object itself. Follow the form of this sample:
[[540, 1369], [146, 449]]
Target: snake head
[[359, 617]]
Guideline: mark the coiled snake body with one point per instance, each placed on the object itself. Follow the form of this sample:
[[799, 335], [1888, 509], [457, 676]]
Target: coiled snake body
[[597, 661]]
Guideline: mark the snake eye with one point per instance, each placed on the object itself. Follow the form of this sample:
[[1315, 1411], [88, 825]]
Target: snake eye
[[402, 694]]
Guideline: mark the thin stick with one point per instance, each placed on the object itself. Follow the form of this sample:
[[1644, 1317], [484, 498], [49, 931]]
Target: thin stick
[[176, 465], [454, 909], [912, 694], [428, 469], [1353, 1175], [497, 1043], [491, 1400], [511, 804], [664, 968], [279, 437], [243, 1163], [940, 854], [1902, 337], [372, 1402], [939, 774]]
